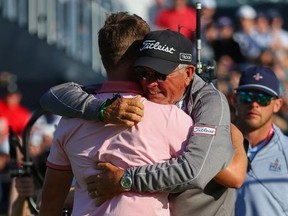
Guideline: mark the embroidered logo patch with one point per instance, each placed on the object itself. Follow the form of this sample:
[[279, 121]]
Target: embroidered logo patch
[[257, 77], [204, 130], [185, 57], [275, 166]]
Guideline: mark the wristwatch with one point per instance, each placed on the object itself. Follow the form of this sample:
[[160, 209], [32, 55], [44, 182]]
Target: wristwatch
[[126, 182]]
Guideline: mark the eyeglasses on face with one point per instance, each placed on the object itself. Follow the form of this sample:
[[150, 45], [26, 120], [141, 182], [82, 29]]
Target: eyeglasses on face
[[248, 97], [144, 74]]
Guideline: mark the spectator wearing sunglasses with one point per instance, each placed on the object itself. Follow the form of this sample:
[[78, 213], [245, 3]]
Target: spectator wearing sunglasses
[[266, 186]]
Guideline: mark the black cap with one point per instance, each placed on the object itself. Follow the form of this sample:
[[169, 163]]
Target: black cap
[[164, 50]]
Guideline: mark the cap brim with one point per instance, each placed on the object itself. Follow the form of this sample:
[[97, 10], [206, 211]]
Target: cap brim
[[159, 65], [258, 87]]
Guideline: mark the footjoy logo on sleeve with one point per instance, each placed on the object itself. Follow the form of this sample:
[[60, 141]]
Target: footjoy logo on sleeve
[[204, 130]]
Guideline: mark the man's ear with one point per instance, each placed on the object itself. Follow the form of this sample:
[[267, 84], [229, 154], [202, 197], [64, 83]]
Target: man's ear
[[277, 105], [190, 70]]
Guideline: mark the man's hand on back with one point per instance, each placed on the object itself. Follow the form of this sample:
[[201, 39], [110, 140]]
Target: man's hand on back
[[105, 185], [127, 111]]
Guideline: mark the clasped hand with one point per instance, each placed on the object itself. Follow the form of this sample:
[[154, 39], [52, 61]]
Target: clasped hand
[[127, 111], [105, 185]]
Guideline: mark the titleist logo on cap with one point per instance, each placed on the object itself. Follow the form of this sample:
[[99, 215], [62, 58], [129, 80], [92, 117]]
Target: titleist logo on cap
[[152, 45]]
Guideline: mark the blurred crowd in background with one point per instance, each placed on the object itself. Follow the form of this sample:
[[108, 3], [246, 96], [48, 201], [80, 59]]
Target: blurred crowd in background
[[251, 36], [13, 121]]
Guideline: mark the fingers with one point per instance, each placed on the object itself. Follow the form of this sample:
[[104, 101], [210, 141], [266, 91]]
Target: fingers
[[106, 167], [105, 184], [135, 102], [127, 111], [99, 201], [92, 191], [129, 108], [93, 194], [133, 120], [90, 179], [101, 166]]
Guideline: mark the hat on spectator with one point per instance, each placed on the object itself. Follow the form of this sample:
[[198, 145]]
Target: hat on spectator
[[164, 50], [260, 78], [247, 12], [211, 4], [262, 14], [225, 22], [273, 13]]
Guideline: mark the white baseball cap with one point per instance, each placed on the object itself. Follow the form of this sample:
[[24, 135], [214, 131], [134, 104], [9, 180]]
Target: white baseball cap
[[211, 4], [246, 11]]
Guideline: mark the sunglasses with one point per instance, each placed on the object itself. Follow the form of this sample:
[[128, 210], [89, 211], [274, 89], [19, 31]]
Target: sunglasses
[[144, 74], [247, 97]]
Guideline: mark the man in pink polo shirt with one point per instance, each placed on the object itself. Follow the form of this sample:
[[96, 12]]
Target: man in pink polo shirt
[[145, 143]]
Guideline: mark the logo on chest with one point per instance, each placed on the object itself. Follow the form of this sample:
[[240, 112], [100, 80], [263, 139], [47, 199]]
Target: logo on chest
[[275, 166]]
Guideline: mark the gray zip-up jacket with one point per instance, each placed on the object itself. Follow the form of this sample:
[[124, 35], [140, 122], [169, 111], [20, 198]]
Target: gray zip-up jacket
[[209, 149]]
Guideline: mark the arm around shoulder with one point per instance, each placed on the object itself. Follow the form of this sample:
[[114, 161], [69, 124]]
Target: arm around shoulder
[[234, 174], [70, 100]]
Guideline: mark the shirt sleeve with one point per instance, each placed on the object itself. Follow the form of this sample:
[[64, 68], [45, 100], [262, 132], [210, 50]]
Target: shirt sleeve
[[57, 158], [209, 150], [70, 100]]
